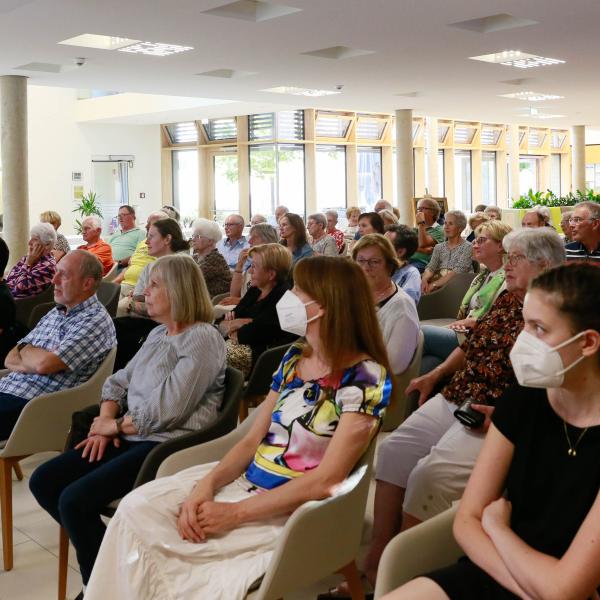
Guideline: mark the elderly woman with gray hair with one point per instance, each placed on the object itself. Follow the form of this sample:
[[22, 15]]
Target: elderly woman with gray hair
[[453, 256], [34, 272], [322, 242], [216, 272]]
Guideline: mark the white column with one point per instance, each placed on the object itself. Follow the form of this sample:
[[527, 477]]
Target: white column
[[578, 158], [404, 163], [15, 194], [513, 149], [433, 175]]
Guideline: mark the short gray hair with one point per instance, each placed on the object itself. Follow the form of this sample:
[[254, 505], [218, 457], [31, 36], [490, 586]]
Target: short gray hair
[[90, 266], [95, 220], [319, 218], [543, 213], [493, 209], [459, 215], [541, 244], [258, 219], [432, 204], [593, 207], [266, 232], [333, 213], [45, 232], [207, 229]]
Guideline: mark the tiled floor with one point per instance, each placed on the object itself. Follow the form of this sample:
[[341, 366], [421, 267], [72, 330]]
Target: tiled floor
[[35, 571]]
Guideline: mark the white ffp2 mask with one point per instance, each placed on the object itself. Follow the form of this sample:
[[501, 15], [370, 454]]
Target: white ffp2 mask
[[291, 312]]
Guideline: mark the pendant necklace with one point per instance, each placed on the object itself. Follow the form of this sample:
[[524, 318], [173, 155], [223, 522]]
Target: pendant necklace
[[572, 451]]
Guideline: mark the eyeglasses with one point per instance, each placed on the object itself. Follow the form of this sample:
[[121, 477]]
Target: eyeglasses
[[197, 236], [232, 225], [480, 240], [371, 262], [422, 208], [513, 259], [580, 219]]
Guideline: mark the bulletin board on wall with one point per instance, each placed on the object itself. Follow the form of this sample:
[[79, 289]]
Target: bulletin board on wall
[[442, 202]]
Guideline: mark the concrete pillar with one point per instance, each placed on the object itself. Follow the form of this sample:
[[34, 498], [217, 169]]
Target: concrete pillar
[[578, 158], [433, 175], [404, 164], [15, 195], [513, 150]]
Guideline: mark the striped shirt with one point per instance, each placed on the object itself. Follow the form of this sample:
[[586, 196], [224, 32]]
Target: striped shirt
[[25, 281], [576, 251], [81, 337], [173, 385]]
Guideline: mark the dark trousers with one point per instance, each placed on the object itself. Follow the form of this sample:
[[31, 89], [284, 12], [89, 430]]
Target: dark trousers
[[74, 491], [10, 409]]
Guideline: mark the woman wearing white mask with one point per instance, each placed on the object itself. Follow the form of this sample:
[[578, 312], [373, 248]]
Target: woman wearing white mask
[[208, 532], [540, 540]]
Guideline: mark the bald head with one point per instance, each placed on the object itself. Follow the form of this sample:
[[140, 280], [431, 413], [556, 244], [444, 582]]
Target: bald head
[[155, 216]]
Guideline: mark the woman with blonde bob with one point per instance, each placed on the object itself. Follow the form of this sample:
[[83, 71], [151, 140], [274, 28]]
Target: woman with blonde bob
[[61, 247], [208, 531], [172, 386]]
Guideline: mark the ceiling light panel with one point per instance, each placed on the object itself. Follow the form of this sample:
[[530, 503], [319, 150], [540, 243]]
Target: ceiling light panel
[[155, 49], [100, 42], [531, 96], [297, 91], [516, 58]]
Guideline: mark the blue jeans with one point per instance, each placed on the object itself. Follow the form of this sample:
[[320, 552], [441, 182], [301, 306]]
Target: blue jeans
[[10, 409], [74, 491], [440, 342]]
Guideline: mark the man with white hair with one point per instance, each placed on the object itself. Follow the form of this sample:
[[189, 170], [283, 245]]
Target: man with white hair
[[256, 219], [234, 241], [585, 231], [91, 228]]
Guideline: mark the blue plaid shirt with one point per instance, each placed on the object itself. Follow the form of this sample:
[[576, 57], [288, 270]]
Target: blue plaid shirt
[[81, 338], [230, 251]]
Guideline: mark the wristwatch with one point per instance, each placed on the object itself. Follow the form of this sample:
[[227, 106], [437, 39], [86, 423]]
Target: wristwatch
[[119, 423]]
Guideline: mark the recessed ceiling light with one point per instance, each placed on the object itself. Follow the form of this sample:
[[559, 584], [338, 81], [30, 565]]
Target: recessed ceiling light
[[297, 91], [155, 49], [531, 96], [101, 42], [516, 58], [547, 116]]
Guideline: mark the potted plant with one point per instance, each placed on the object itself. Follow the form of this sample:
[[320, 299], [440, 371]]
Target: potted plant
[[86, 206]]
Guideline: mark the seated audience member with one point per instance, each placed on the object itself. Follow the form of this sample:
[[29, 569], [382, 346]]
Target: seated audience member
[[321, 242], [424, 465], [234, 241], [453, 256], [160, 395], [396, 311], [480, 208], [124, 242], [565, 225], [325, 407], [8, 309], [293, 237], [389, 218], [61, 247], [475, 220], [66, 347], [256, 219], [483, 291], [585, 229], [407, 276], [370, 222], [493, 212], [336, 234], [430, 232], [528, 518], [34, 272], [352, 214], [536, 217], [91, 228], [381, 205], [252, 326], [133, 323], [216, 271], [263, 233], [171, 212], [139, 259], [280, 211]]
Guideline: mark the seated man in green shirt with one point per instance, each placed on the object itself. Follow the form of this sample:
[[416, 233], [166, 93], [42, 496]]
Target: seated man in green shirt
[[429, 231], [125, 241]]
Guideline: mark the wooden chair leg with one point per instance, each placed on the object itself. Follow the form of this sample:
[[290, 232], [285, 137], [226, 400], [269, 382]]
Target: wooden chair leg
[[243, 410], [18, 472], [6, 467], [352, 576], [63, 563]]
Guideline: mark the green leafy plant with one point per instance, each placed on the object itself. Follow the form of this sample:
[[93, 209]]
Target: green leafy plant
[[548, 198], [86, 207]]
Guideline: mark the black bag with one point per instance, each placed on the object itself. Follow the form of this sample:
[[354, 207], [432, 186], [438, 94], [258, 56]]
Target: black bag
[[81, 421]]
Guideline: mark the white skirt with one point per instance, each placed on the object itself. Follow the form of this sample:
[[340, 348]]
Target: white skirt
[[142, 555]]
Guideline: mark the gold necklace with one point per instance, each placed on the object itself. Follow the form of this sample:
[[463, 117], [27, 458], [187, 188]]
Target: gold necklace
[[572, 451]]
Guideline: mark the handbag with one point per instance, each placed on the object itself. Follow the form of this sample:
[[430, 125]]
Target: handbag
[[81, 421]]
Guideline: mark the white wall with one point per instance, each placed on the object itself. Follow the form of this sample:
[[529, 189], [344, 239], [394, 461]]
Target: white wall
[[58, 145]]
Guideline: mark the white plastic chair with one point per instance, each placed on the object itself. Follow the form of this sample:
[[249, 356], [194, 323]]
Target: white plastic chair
[[112, 273]]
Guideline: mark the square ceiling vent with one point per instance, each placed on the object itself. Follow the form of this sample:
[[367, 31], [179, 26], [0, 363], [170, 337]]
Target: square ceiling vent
[[252, 10], [499, 22], [338, 52]]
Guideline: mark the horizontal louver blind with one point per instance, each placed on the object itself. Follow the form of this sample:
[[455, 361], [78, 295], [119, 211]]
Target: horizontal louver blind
[[558, 139], [463, 134], [536, 137], [261, 127], [183, 133], [369, 129], [221, 129], [290, 125], [332, 126], [490, 136]]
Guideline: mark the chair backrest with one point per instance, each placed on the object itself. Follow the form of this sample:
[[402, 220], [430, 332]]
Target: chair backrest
[[226, 421], [444, 303], [38, 312], [402, 405], [216, 299], [108, 294], [112, 273], [44, 423], [321, 535], [261, 376], [24, 306]]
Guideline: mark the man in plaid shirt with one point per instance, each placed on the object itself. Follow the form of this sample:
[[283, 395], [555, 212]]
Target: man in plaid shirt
[[68, 344]]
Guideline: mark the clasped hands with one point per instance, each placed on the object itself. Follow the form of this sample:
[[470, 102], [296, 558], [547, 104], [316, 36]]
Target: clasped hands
[[102, 432]]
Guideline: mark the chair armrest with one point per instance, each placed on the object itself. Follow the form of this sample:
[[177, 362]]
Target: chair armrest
[[4, 372], [416, 551]]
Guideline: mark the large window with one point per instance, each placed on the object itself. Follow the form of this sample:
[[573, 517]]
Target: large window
[[227, 198], [439, 192], [185, 182], [592, 177], [369, 177], [529, 173], [555, 168], [331, 177], [276, 177], [488, 178], [462, 180]]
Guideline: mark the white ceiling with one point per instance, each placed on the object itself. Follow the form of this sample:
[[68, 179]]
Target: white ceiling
[[414, 50]]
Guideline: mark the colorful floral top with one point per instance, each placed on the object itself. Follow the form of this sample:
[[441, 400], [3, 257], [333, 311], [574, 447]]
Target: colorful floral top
[[25, 281], [487, 372], [338, 236], [307, 413]]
